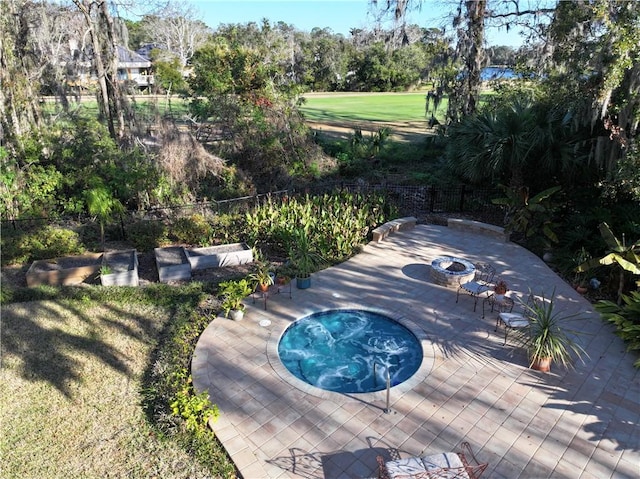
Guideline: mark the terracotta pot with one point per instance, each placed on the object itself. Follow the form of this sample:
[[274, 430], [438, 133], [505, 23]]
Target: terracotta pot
[[543, 365], [581, 289], [263, 287]]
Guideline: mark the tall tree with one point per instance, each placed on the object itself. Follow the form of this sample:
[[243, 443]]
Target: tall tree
[[19, 109], [469, 24], [111, 100], [595, 66], [176, 30], [469, 21]]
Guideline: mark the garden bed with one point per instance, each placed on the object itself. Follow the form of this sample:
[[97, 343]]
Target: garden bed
[[120, 268], [219, 256], [172, 264], [63, 271]]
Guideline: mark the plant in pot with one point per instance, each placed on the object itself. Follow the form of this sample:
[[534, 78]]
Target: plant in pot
[[261, 277], [303, 259], [232, 293], [500, 289], [284, 274], [549, 340]]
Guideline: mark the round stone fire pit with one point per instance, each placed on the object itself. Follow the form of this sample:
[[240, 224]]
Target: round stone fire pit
[[450, 271]]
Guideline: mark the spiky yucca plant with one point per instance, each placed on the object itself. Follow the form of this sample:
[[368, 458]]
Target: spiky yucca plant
[[549, 338]]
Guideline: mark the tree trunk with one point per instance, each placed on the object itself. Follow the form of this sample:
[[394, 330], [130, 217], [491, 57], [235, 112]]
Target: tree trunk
[[474, 57], [19, 110], [105, 59]]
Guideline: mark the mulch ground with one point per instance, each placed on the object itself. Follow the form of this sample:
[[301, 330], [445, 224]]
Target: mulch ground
[[16, 276]]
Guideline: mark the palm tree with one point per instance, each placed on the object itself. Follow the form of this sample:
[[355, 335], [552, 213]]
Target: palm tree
[[519, 143]]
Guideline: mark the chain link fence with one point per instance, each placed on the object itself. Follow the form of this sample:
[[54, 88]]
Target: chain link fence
[[423, 202]]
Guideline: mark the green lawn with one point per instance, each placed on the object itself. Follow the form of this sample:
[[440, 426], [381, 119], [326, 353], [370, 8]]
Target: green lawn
[[73, 389], [383, 107]]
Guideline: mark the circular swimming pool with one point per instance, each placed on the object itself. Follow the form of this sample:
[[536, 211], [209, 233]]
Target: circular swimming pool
[[350, 351]]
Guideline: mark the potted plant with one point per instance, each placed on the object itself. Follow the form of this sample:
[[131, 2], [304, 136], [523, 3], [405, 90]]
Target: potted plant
[[232, 293], [303, 259], [500, 289], [284, 274], [261, 276], [549, 340]]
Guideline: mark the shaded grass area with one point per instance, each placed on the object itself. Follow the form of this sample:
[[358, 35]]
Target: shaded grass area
[[75, 373]]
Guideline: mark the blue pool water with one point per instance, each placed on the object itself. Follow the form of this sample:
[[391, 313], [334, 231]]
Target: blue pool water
[[336, 350]]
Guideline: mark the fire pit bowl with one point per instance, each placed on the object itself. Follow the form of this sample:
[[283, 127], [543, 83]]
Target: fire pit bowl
[[450, 271]]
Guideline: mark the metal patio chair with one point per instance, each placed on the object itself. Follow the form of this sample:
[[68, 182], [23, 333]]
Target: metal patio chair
[[447, 465], [511, 320], [481, 283]]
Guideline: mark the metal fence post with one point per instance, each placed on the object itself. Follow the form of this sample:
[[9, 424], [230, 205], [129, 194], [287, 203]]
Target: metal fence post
[[462, 191]]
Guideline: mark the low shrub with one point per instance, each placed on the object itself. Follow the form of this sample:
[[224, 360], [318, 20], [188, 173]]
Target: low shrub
[[146, 235], [192, 230], [41, 243]]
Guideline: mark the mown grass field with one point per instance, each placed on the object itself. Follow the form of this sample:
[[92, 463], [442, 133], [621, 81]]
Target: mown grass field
[[354, 107]]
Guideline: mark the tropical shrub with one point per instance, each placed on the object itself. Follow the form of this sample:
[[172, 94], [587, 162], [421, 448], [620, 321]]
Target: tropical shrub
[[516, 143], [336, 223], [626, 318]]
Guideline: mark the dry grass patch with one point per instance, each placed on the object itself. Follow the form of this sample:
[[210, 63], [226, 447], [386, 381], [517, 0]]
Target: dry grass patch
[[70, 398]]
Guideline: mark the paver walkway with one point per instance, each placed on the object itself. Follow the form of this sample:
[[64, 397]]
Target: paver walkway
[[580, 423]]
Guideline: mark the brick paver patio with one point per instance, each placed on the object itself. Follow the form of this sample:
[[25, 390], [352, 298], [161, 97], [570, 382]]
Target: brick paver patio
[[578, 423]]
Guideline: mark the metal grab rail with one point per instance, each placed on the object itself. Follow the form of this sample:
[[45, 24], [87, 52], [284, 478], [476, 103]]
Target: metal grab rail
[[387, 410]]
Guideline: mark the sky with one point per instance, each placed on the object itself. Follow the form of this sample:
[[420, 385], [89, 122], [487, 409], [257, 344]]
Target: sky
[[339, 15]]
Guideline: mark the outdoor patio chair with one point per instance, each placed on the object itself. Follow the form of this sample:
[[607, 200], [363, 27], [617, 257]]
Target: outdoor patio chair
[[511, 320], [481, 283], [447, 465]]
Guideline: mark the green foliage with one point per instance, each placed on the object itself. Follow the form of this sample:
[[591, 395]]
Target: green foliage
[[378, 68], [518, 142], [168, 76], [228, 227], [548, 336], [42, 243], [625, 179], [232, 293], [222, 67], [146, 234], [336, 223], [27, 189], [302, 253], [531, 216], [192, 230], [195, 409], [102, 204], [64, 161], [260, 271], [626, 318], [362, 151], [625, 257]]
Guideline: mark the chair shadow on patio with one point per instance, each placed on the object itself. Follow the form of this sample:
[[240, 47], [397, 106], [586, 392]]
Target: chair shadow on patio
[[337, 464]]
